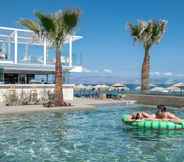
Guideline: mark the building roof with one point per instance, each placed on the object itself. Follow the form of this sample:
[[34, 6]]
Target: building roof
[[35, 68], [27, 36]]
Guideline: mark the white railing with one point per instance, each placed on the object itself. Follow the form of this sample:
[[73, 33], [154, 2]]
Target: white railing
[[15, 37]]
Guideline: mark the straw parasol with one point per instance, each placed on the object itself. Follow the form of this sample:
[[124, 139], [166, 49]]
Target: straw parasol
[[118, 85], [79, 86]]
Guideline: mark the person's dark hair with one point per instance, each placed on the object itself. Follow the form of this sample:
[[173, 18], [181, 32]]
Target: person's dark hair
[[137, 116], [160, 108], [164, 109], [133, 116]]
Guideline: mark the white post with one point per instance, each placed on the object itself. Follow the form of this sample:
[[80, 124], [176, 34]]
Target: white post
[[70, 51], [45, 52], [16, 46], [9, 48]]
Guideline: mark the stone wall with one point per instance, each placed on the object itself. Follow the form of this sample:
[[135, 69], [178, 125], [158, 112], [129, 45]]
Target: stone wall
[[157, 99], [39, 89]]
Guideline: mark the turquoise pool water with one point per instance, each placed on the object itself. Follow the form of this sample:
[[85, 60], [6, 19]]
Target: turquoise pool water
[[91, 136]]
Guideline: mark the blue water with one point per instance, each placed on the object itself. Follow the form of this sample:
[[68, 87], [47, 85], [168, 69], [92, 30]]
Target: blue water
[[90, 136]]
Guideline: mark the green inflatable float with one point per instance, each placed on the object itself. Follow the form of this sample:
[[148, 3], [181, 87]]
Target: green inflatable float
[[153, 124]]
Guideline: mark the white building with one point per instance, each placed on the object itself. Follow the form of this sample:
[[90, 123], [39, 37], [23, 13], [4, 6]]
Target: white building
[[24, 57]]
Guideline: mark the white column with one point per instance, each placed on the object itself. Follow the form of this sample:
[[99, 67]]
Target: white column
[[16, 46], [70, 51], [45, 52]]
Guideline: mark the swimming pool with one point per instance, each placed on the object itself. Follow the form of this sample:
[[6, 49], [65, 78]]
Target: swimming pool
[[90, 136]]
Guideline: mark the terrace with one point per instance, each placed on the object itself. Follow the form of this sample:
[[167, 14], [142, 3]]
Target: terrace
[[21, 51]]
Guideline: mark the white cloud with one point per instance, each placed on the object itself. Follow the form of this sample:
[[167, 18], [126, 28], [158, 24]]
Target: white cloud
[[86, 70], [107, 70], [161, 74], [168, 74], [96, 71], [156, 73], [180, 75]]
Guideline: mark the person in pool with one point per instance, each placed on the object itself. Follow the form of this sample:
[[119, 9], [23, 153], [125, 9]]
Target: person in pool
[[141, 115], [161, 114], [164, 115]]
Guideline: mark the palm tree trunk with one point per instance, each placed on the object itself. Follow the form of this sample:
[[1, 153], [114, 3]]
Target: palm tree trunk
[[59, 101], [145, 72]]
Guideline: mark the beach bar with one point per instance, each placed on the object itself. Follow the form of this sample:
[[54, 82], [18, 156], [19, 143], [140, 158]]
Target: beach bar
[[25, 59]]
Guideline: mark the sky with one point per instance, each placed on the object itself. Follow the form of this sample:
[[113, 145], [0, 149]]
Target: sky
[[107, 46]]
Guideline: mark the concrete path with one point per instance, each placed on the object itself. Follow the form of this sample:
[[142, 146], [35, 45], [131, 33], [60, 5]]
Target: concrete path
[[79, 104]]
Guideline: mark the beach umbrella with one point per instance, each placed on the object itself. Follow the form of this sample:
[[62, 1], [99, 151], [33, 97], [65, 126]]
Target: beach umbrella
[[79, 86], [89, 87], [138, 88], [101, 86], [179, 85], [117, 85], [152, 85], [97, 86], [125, 88], [104, 86], [159, 89], [173, 89]]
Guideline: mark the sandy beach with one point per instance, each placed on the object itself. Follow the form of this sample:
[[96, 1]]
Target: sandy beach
[[79, 104]]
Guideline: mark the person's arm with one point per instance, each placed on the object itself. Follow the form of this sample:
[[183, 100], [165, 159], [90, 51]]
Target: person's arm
[[134, 117], [130, 118], [173, 117], [148, 116], [178, 121], [145, 115]]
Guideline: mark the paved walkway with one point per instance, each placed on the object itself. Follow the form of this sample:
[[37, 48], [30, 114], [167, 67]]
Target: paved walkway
[[78, 104]]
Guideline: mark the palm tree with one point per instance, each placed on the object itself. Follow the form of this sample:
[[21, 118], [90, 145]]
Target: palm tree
[[147, 33], [55, 27]]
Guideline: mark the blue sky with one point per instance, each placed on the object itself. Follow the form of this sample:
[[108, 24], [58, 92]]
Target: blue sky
[[107, 43]]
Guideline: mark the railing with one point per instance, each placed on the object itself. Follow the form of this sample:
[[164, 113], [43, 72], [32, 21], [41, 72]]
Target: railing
[[15, 44]]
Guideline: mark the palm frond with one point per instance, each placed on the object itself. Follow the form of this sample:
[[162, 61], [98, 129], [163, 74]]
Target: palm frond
[[31, 25], [70, 19], [46, 21], [148, 32], [55, 27]]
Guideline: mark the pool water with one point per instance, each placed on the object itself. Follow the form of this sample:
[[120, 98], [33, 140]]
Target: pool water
[[90, 136]]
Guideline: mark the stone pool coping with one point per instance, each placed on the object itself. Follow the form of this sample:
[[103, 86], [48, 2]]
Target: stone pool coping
[[79, 104]]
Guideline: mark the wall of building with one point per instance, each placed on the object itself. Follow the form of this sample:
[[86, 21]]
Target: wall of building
[[40, 89], [157, 99]]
